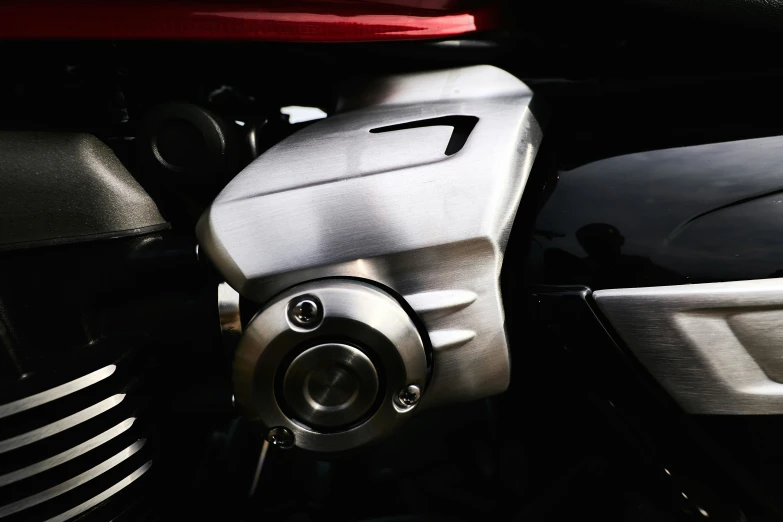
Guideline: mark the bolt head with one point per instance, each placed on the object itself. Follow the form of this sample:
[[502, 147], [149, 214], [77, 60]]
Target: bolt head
[[280, 437], [408, 396], [305, 312]]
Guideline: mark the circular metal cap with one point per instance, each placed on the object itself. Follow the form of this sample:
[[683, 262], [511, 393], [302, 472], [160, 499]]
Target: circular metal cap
[[330, 385], [332, 381]]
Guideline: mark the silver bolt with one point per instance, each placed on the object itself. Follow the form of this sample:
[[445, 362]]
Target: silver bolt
[[280, 437], [305, 312], [408, 396]]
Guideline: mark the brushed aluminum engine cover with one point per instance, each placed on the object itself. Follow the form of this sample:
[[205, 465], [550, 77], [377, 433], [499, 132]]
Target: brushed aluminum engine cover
[[413, 184]]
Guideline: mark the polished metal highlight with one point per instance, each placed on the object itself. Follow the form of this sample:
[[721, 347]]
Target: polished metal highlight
[[371, 326], [60, 425], [442, 303], [84, 506], [408, 396], [305, 312], [447, 339], [330, 385], [69, 454], [281, 437], [259, 467], [57, 392], [717, 348], [228, 311], [382, 191], [68, 485]]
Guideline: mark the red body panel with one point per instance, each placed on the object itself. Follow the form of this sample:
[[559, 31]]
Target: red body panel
[[327, 21]]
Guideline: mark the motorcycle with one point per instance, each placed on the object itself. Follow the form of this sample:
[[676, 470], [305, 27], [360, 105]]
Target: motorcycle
[[390, 260]]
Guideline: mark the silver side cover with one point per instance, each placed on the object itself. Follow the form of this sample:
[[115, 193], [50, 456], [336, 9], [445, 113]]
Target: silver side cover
[[414, 183], [716, 348]]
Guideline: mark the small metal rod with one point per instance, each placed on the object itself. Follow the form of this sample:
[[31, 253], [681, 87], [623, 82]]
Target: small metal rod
[[261, 459]]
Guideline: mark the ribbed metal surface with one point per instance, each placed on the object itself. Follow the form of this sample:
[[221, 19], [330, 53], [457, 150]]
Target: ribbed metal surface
[[67, 447], [55, 393]]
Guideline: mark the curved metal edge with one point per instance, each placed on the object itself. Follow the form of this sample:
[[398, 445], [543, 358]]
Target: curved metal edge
[[714, 347], [68, 485], [461, 84], [84, 506], [60, 425], [57, 392], [67, 455]]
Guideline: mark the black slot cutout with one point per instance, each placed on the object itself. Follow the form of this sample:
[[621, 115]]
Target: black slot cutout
[[463, 126]]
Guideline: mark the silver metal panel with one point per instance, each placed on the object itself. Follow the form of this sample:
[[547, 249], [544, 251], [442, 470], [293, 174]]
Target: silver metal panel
[[716, 348], [338, 200]]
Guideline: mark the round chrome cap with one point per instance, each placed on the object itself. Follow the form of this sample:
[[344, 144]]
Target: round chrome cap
[[330, 385], [333, 381]]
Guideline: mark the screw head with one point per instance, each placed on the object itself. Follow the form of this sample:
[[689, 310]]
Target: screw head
[[408, 396], [305, 311], [280, 437]]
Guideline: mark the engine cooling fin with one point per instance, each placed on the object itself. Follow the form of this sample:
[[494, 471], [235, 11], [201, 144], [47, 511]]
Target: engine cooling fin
[[71, 442]]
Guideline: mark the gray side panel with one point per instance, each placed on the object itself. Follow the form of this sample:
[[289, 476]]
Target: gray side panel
[[67, 187]]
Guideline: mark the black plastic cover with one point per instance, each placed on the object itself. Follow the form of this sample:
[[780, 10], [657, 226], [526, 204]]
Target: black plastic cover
[[698, 214], [67, 188]]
